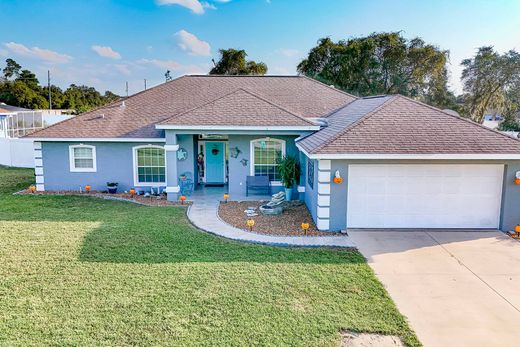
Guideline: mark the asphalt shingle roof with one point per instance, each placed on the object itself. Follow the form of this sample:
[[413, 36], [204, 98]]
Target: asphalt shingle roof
[[141, 112], [239, 108], [399, 125]]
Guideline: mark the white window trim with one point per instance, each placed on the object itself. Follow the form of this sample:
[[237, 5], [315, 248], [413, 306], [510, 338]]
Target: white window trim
[[252, 156], [136, 177], [72, 166]]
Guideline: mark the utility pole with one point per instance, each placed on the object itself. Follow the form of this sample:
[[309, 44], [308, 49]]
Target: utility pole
[[145, 84], [49, 86], [127, 89]]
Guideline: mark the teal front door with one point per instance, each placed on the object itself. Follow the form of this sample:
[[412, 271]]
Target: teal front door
[[215, 163]]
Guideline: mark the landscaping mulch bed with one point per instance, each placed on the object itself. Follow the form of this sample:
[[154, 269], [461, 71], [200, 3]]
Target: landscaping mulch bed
[[138, 199], [288, 223]]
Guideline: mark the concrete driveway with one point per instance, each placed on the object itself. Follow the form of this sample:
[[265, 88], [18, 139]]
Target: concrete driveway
[[456, 288]]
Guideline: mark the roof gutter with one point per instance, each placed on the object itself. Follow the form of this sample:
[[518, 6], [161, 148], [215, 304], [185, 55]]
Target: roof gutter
[[237, 127], [419, 156], [95, 139]]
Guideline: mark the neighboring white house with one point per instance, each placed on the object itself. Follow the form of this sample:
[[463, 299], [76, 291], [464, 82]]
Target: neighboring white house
[[16, 122], [492, 121]]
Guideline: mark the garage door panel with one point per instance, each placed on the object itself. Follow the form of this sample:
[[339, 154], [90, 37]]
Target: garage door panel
[[375, 186], [375, 204], [424, 196], [451, 185]]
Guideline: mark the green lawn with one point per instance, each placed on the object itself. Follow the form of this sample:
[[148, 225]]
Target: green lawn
[[83, 271]]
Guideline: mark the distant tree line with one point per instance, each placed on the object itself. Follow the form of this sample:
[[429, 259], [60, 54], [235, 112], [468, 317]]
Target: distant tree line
[[387, 63], [20, 87]]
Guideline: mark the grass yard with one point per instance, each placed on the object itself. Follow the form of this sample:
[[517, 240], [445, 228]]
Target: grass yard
[[84, 271]]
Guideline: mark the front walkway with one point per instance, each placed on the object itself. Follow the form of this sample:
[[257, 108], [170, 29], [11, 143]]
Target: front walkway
[[203, 213], [456, 288]]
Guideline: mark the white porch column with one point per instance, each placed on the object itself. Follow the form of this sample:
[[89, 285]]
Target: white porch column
[[38, 166], [172, 181]]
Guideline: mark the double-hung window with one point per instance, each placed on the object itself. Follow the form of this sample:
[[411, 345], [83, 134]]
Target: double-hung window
[[150, 166], [82, 158], [265, 155]]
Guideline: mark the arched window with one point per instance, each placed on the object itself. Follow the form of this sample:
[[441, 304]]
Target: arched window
[[82, 158], [265, 154], [149, 166]]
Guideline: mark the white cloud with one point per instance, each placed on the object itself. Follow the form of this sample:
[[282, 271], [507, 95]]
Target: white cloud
[[192, 44], [207, 5], [106, 52], [194, 5], [38, 53], [223, 1], [122, 68], [175, 67], [149, 48], [163, 64], [3, 53]]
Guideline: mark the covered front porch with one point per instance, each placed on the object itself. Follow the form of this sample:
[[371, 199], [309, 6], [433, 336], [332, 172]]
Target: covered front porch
[[205, 166], [216, 193]]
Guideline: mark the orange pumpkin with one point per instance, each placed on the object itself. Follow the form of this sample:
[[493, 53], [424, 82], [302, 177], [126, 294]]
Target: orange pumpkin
[[87, 188], [338, 180], [517, 228], [517, 181], [32, 189], [182, 198], [132, 191]]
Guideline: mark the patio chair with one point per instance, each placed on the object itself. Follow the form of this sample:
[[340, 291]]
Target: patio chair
[[258, 183]]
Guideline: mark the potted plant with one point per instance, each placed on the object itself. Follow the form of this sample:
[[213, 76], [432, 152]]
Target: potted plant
[[112, 187], [289, 170]]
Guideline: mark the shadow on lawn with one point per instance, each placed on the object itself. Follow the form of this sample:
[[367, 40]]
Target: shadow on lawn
[[182, 243], [131, 233]]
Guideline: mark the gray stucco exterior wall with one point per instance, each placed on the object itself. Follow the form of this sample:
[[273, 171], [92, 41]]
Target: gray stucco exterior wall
[[510, 215], [186, 142], [238, 172], [338, 196], [114, 163], [311, 193]]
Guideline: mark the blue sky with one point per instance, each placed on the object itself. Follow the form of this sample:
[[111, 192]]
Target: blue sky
[[105, 43]]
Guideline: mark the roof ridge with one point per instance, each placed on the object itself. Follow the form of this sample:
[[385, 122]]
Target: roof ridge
[[216, 75], [330, 87], [231, 93], [277, 106], [464, 119], [356, 123], [199, 106], [82, 115]]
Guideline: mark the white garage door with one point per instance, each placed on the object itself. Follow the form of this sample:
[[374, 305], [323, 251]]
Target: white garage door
[[424, 196]]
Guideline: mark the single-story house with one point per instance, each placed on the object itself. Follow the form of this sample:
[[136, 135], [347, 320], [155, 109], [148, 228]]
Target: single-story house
[[403, 164]]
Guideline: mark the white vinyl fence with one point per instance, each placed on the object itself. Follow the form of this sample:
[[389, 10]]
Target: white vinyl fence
[[16, 152]]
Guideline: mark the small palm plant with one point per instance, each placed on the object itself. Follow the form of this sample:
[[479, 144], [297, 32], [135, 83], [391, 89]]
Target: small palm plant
[[289, 170]]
